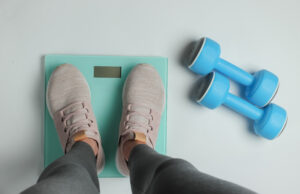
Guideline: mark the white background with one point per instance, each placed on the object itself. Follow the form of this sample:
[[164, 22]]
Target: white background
[[254, 34]]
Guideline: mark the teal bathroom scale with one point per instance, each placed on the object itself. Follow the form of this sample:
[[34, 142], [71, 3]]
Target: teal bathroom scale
[[105, 76]]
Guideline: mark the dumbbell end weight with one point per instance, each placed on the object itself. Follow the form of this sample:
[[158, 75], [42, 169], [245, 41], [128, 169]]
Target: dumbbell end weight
[[204, 56], [263, 89], [212, 90], [272, 123]]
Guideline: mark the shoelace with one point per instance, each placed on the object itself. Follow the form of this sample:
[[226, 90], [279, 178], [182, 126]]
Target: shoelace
[[75, 119], [139, 117]]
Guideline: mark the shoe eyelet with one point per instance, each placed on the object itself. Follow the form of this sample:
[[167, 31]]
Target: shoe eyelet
[[92, 121], [65, 130], [62, 119], [89, 125]]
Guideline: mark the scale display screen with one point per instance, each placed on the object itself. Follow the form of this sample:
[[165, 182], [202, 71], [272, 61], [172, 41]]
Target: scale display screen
[[107, 71]]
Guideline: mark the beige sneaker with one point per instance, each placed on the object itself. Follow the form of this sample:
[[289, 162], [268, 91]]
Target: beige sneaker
[[143, 102], [69, 104]]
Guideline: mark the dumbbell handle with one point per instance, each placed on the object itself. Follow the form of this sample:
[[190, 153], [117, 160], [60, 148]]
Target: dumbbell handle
[[234, 72], [243, 107]]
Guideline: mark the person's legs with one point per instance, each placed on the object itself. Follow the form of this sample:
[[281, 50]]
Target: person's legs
[[153, 173], [73, 173]]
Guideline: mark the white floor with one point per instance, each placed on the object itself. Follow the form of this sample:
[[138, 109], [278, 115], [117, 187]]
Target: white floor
[[254, 34]]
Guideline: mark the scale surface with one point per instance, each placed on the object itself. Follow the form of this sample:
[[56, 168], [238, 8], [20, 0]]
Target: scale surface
[[105, 76]]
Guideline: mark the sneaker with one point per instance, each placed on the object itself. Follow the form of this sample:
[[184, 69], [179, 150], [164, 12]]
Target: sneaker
[[69, 104], [143, 102]]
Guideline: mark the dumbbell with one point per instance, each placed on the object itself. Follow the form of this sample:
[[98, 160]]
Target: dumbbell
[[261, 87], [213, 91]]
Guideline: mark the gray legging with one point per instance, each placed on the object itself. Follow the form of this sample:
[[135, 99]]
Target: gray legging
[[150, 173]]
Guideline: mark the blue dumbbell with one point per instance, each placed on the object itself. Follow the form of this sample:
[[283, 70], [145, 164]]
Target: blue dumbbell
[[260, 87], [213, 91]]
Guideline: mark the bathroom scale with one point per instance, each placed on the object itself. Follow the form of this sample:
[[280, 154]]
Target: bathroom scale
[[105, 76]]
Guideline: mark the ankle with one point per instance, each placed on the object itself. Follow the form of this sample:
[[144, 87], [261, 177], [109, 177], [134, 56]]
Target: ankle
[[128, 147], [92, 143], [81, 136]]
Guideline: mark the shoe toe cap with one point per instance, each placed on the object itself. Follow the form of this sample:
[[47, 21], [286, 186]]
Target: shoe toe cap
[[65, 86], [144, 86]]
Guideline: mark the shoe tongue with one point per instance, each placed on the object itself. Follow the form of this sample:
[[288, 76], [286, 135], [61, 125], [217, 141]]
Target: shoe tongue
[[140, 109], [141, 117], [138, 119], [73, 108], [76, 117]]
